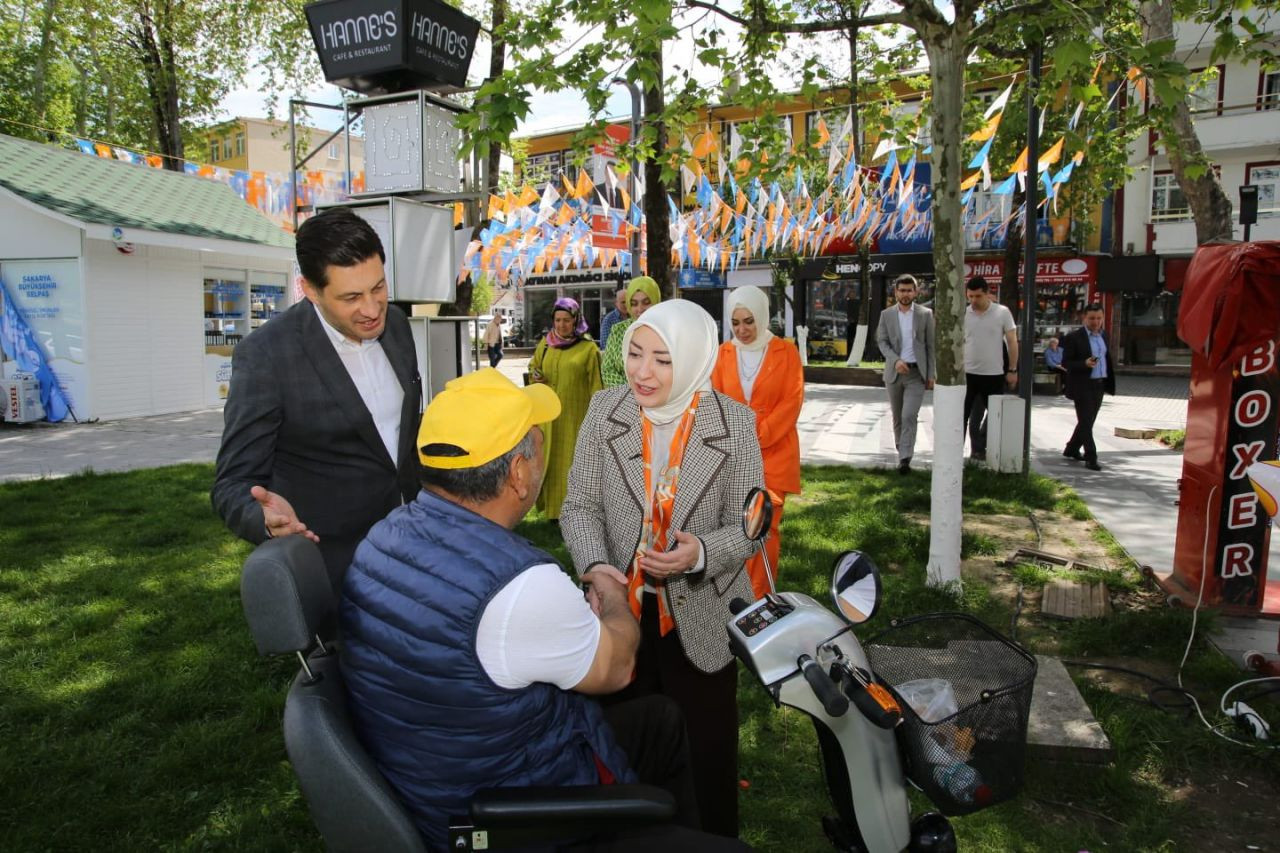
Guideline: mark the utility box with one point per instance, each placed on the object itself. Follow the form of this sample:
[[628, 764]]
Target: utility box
[[1006, 418], [447, 348], [418, 240], [22, 398]]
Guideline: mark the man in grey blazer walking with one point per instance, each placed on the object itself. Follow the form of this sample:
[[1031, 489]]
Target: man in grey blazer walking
[[906, 340], [323, 409]]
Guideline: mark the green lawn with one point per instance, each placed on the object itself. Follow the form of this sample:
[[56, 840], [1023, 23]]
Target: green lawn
[[137, 716]]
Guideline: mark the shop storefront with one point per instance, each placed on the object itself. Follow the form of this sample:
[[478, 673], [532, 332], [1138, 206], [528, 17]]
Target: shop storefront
[[1063, 287], [136, 283], [593, 289], [829, 290], [710, 289], [1142, 294]]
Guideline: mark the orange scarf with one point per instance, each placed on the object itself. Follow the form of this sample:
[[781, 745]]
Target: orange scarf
[[657, 514]]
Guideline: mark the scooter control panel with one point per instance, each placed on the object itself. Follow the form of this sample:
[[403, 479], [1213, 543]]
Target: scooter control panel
[[771, 633]]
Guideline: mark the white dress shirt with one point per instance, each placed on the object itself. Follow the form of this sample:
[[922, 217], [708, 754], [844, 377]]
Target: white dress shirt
[[370, 369], [906, 328]]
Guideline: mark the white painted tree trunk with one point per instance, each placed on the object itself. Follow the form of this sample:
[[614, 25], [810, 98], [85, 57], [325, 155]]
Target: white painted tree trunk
[[802, 344], [945, 515], [859, 346], [946, 46]]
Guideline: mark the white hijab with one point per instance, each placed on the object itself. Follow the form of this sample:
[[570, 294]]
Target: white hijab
[[690, 336], [756, 301]]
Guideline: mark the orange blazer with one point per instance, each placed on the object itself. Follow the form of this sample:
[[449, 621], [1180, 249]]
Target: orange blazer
[[776, 398]]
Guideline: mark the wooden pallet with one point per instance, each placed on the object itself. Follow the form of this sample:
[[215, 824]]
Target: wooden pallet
[[1065, 599]]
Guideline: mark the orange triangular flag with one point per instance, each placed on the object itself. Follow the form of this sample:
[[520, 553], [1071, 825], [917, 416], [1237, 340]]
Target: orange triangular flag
[[988, 131]]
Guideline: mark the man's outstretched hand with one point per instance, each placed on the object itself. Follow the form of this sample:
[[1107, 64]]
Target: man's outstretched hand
[[278, 515]]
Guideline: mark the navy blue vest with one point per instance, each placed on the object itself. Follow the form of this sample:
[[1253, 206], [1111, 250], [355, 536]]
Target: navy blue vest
[[430, 716]]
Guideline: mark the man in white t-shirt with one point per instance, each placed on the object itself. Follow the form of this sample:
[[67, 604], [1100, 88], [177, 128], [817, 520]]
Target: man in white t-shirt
[[470, 657], [990, 359]]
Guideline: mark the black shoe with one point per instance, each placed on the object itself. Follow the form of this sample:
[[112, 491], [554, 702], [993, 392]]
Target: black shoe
[[1072, 454], [1092, 465], [904, 467]]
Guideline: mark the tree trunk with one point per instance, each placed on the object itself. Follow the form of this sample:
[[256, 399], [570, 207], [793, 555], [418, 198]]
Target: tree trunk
[[154, 46], [657, 216], [41, 71], [497, 63], [945, 45], [1010, 281], [1210, 207]]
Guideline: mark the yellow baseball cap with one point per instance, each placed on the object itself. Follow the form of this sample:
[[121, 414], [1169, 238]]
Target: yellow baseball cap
[[479, 417]]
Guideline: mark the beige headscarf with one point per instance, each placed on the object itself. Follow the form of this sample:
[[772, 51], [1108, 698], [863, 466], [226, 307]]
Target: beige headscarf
[[690, 336], [756, 301]]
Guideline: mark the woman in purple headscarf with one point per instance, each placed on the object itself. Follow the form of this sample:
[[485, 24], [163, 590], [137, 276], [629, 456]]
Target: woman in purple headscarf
[[568, 360]]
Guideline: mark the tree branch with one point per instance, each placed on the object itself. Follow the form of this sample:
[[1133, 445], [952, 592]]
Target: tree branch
[[765, 25], [985, 29]]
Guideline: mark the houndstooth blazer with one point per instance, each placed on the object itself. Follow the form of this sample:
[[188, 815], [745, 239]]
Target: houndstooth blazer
[[604, 509]]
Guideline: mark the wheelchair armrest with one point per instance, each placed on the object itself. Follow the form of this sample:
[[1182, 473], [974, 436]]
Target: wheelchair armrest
[[499, 807]]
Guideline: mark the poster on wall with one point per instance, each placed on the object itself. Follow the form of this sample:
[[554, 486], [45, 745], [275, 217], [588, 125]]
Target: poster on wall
[[49, 296]]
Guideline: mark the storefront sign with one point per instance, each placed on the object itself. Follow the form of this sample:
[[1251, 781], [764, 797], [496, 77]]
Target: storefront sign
[[846, 267], [572, 277], [1048, 270], [48, 294], [700, 278], [1251, 437], [392, 46]]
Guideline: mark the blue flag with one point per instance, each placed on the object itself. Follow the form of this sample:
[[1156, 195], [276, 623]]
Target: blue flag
[[20, 344]]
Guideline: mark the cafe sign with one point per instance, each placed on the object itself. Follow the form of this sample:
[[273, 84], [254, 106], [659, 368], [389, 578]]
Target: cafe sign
[[393, 45]]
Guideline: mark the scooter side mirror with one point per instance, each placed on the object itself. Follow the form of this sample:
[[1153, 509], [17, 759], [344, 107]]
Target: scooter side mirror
[[757, 514], [855, 587]]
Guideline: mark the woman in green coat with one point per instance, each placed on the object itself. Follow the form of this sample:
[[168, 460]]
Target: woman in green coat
[[642, 293], [568, 360]]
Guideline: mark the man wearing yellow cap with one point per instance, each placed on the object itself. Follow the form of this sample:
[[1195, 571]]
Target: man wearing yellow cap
[[468, 653]]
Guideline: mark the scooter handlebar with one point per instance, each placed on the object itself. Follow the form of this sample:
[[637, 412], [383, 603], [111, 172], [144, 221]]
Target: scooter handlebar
[[833, 701]]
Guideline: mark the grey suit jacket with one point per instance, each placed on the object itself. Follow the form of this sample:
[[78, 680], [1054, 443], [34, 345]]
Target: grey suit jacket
[[295, 423], [604, 509], [923, 333]]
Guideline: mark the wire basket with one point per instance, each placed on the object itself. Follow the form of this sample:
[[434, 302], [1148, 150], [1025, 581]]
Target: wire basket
[[965, 692]]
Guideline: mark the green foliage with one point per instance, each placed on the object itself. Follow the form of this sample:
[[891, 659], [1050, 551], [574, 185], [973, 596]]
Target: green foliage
[[482, 295], [93, 80]]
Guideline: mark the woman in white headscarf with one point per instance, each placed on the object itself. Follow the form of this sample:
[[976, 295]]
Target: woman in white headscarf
[[662, 468], [762, 370]]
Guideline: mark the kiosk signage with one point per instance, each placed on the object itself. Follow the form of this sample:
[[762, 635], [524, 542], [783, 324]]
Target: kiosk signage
[[393, 45]]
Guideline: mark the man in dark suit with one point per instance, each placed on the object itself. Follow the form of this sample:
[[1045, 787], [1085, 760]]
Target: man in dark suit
[[324, 403], [906, 336], [1091, 372]]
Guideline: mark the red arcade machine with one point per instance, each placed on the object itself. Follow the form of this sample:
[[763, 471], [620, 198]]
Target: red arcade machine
[[1230, 317]]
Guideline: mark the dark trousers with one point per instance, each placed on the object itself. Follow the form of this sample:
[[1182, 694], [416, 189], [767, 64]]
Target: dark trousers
[[651, 731], [710, 706], [495, 354], [1087, 396], [977, 389]]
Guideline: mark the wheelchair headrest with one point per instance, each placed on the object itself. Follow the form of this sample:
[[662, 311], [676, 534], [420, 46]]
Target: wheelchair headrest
[[286, 594]]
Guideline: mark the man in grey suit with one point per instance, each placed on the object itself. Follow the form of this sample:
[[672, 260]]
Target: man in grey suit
[[906, 340], [320, 419]]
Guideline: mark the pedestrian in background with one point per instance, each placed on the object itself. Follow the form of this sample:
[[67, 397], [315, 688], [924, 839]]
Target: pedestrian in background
[[990, 343], [569, 361], [642, 293], [763, 371], [619, 312], [1091, 372], [493, 340], [906, 337]]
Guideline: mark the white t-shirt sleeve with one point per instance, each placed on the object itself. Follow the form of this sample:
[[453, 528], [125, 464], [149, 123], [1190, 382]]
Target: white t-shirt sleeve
[[1008, 323], [538, 627]]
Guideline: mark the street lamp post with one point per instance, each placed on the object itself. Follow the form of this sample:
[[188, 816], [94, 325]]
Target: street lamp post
[[1026, 352]]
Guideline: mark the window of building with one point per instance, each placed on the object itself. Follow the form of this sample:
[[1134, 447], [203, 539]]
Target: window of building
[[1269, 91], [908, 119], [834, 119], [1205, 95], [1266, 177], [239, 144], [226, 148], [213, 150], [1167, 201], [541, 168], [334, 151]]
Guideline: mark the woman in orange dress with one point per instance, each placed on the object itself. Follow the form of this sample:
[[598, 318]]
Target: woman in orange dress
[[759, 369]]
